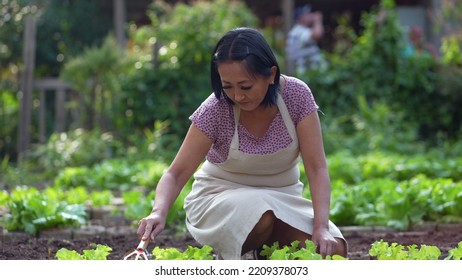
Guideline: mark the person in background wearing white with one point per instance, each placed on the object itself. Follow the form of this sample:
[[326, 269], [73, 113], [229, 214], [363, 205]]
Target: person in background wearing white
[[302, 41]]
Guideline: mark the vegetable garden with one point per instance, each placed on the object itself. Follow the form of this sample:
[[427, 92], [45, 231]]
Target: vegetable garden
[[396, 199], [392, 144]]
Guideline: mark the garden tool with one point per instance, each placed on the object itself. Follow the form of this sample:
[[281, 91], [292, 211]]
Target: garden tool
[[139, 252]]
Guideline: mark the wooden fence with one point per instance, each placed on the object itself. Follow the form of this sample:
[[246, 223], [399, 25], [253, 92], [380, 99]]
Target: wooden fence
[[61, 91]]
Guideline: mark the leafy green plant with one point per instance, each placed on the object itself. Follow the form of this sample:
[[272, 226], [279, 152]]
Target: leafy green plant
[[81, 195], [137, 204], [32, 211], [100, 252], [112, 174], [75, 148], [78, 195], [4, 197], [384, 251], [455, 253], [191, 253], [167, 53], [294, 252], [9, 110], [397, 204], [380, 249], [96, 73], [101, 198]]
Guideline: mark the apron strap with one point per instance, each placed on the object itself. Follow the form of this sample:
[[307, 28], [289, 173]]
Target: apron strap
[[285, 116]]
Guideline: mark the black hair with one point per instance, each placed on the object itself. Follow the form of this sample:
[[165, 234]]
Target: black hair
[[245, 45]]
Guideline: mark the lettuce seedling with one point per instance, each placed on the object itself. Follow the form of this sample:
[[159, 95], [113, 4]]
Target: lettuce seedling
[[455, 253], [295, 252], [99, 253]]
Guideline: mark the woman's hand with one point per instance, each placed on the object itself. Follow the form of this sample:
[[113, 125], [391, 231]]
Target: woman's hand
[[326, 244], [150, 226]]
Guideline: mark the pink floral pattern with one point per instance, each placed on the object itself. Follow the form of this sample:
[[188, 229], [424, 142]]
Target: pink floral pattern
[[215, 118]]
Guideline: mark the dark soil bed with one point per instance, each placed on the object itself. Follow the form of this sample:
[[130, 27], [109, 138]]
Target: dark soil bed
[[22, 247]]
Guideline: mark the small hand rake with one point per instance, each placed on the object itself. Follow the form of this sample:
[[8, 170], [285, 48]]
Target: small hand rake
[[139, 252]]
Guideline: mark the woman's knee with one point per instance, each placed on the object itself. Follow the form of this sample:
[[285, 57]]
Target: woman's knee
[[260, 233], [267, 219], [285, 234], [265, 225]]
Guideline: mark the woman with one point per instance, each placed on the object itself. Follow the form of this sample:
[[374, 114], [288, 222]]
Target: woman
[[251, 131]]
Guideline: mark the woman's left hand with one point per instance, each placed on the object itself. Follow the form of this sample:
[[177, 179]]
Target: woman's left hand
[[326, 244]]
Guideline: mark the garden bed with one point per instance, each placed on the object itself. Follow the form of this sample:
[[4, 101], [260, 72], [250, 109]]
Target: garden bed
[[122, 239]]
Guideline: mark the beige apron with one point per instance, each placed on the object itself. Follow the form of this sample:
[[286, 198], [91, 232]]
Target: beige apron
[[229, 198]]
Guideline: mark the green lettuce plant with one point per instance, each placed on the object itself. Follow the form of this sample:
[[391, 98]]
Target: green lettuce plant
[[100, 252], [295, 252], [33, 211], [384, 251], [191, 253], [455, 253]]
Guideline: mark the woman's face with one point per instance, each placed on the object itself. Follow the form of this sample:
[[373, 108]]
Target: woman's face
[[242, 88]]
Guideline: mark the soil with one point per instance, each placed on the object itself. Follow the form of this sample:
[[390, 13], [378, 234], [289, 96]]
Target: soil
[[124, 240]]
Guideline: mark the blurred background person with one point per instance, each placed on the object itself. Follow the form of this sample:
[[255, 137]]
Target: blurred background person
[[302, 40], [417, 44]]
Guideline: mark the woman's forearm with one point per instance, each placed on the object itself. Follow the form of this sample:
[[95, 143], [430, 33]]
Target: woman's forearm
[[320, 193], [167, 191]]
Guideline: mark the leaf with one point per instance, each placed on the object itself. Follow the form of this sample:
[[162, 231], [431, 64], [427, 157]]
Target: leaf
[[455, 253], [167, 254], [280, 254], [100, 253], [65, 254], [191, 253]]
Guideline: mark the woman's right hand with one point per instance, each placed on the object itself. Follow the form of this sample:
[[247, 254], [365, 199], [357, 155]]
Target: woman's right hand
[[150, 226]]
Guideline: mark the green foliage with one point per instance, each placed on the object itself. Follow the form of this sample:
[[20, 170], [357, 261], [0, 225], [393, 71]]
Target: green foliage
[[380, 249], [377, 97], [9, 111], [449, 87], [396, 190], [294, 252], [384, 251], [71, 154], [78, 195], [112, 174], [32, 211], [137, 204], [75, 25], [4, 197], [455, 253], [101, 198], [12, 14], [97, 74], [451, 47], [397, 204], [351, 168], [191, 253], [75, 148], [173, 60], [374, 126], [99, 253], [153, 143]]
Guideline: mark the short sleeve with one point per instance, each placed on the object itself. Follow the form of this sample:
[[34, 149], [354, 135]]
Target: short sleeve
[[204, 118], [299, 99]]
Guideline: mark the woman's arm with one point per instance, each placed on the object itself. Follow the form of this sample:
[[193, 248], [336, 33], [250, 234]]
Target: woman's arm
[[314, 159], [191, 153]]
